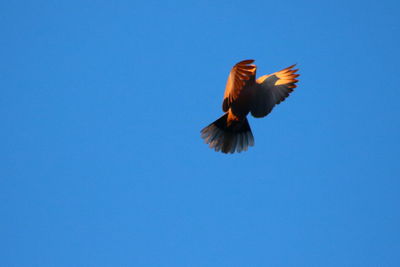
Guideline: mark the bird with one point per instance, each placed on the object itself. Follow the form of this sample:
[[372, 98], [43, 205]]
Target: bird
[[245, 94]]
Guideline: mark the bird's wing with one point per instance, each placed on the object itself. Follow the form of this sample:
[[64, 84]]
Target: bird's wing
[[272, 89], [239, 75]]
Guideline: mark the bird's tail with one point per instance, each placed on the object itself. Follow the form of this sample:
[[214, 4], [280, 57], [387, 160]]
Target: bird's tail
[[236, 137]]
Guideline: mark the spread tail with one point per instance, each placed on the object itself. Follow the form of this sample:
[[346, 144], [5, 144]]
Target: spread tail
[[236, 137]]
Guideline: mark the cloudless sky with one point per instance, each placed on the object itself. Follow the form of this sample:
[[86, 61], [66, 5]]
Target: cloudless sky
[[101, 160]]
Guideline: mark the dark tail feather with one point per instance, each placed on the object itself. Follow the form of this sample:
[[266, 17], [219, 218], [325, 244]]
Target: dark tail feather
[[236, 137]]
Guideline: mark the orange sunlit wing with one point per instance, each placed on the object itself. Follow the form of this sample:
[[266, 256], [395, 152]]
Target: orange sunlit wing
[[272, 90], [240, 73]]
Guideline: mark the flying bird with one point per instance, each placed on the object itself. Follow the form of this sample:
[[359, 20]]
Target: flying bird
[[245, 94]]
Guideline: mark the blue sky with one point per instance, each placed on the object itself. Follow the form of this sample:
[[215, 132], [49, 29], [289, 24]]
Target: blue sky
[[101, 161]]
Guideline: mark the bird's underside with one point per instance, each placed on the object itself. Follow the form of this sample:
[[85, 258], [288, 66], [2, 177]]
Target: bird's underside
[[245, 94]]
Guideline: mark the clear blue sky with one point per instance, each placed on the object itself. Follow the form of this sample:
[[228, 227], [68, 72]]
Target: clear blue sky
[[101, 161]]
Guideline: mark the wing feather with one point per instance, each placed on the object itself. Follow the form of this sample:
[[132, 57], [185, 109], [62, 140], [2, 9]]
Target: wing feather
[[272, 89], [240, 73]]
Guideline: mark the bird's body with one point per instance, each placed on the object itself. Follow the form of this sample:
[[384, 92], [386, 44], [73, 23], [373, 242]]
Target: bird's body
[[243, 95]]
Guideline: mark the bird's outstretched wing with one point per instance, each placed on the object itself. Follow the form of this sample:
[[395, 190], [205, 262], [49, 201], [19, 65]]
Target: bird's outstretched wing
[[239, 75], [272, 89]]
